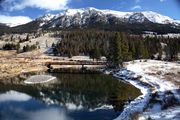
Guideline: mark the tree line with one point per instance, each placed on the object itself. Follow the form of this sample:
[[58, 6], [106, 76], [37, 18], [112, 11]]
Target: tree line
[[115, 46], [13, 46]]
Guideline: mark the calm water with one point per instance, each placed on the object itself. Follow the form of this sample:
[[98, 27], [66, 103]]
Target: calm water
[[71, 97]]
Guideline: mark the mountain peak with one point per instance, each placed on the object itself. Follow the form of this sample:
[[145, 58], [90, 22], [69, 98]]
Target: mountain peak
[[90, 15], [150, 15], [46, 17]]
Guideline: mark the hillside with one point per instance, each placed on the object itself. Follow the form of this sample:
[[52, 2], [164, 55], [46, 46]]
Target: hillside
[[87, 18]]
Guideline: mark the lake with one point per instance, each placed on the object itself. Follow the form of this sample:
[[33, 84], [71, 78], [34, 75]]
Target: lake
[[70, 97]]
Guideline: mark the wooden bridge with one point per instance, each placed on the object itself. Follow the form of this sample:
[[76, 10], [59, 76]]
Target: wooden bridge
[[82, 63]]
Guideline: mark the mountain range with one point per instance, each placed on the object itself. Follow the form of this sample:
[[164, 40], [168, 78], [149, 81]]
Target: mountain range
[[85, 18]]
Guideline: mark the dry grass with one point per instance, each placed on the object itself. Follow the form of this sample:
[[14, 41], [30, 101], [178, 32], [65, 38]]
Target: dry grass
[[4, 53], [10, 67]]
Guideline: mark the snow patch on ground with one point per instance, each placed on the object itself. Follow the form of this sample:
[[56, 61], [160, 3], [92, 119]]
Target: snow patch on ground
[[172, 113], [150, 77], [37, 79]]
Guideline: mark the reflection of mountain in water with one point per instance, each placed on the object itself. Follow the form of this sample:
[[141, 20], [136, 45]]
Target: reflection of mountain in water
[[80, 91]]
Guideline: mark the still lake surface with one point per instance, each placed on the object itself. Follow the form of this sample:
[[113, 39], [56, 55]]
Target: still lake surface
[[70, 97]]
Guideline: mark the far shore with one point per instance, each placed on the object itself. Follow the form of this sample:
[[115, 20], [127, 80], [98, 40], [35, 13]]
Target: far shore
[[13, 64]]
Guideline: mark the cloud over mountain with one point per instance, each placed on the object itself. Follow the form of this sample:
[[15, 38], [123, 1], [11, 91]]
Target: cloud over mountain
[[41, 4], [14, 20], [136, 7]]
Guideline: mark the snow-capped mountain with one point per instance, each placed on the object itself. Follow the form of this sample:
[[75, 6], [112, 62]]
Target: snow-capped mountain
[[134, 22], [158, 18], [45, 18], [87, 16]]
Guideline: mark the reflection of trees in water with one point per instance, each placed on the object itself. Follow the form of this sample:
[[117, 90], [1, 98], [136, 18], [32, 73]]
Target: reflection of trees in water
[[88, 90]]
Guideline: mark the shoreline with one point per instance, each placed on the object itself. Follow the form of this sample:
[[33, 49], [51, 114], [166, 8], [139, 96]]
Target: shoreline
[[142, 105], [10, 76], [139, 103]]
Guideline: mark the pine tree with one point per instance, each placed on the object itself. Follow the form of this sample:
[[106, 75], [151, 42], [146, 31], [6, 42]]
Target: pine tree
[[12, 38], [145, 53], [18, 48], [124, 47], [160, 53], [97, 53], [140, 49], [116, 50], [27, 37], [132, 50]]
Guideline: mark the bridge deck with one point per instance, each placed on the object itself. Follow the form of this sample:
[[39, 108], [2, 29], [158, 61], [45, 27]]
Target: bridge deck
[[75, 63]]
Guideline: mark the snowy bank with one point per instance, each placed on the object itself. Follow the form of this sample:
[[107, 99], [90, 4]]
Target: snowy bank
[[151, 77]]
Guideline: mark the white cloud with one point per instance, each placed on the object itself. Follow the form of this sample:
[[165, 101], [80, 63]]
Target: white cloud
[[137, 1], [162, 0], [14, 20], [42, 4], [136, 7]]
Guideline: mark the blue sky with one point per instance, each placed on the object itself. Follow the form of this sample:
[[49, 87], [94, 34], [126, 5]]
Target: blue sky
[[26, 10]]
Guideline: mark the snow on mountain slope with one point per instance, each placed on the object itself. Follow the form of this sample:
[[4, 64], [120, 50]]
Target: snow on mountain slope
[[158, 18], [72, 12], [86, 16], [117, 13], [46, 18]]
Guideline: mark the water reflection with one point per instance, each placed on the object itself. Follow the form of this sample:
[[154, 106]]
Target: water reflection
[[49, 114], [13, 96], [72, 96], [19, 106]]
